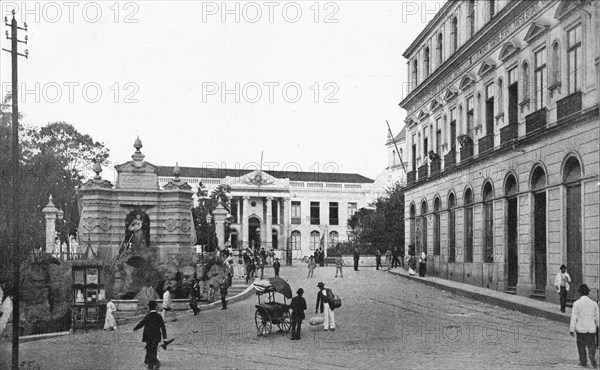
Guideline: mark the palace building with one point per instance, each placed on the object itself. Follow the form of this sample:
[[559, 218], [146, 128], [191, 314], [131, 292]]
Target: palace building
[[502, 142], [274, 209]]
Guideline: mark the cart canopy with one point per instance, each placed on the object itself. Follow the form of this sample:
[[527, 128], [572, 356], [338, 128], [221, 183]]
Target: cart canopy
[[273, 284]]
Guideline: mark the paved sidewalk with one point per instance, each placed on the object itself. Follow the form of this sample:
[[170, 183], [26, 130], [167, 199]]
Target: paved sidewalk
[[550, 311]]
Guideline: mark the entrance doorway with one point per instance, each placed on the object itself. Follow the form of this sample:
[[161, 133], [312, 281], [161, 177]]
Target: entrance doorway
[[572, 175], [254, 233], [512, 221], [540, 242]]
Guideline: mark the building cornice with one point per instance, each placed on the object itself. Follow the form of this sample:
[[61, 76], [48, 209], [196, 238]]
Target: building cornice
[[507, 22]]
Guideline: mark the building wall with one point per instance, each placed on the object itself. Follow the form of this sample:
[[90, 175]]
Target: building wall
[[483, 59]]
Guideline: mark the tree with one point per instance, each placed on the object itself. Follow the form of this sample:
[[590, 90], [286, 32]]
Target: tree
[[381, 226], [205, 232], [54, 161]]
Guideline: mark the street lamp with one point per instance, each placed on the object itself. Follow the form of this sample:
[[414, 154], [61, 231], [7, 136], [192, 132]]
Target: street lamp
[[208, 232]]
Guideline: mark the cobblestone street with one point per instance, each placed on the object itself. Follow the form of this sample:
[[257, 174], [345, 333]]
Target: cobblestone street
[[385, 322]]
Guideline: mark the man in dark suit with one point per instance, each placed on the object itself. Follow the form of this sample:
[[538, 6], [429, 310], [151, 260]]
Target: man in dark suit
[[323, 299], [153, 325], [298, 305], [356, 258]]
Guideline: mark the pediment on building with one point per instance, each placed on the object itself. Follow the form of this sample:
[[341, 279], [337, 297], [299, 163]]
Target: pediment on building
[[486, 67], [97, 183], [138, 167], [435, 104], [450, 94], [535, 30], [422, 115], [257, 178], [409, 122], [177, 185], [466, 81], [566, 7], [509, 49]]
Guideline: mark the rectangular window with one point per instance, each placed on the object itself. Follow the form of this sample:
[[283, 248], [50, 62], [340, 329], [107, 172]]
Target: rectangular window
[[574, 59], [333, 213], [315, 213], [352, 208], [452, 128], [274, 212], [438, 135], [296, 213], [470, 116], [234, 210], [489, 109], [471, 17], [540, 78], [513, 97]]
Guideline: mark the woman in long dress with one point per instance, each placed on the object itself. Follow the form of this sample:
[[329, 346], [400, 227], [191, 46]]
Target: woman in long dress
[[422, 264], [412, 264], [109, 321]]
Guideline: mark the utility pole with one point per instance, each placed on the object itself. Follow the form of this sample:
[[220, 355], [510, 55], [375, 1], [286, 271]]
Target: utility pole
[[15, 183]]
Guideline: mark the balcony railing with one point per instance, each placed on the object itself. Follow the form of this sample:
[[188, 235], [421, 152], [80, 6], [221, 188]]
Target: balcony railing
[[536, 120], [436, 166], [466, 151], [509, 133], [568, 105], [411, 177], [423, 172], [486, 143], [450, 158]]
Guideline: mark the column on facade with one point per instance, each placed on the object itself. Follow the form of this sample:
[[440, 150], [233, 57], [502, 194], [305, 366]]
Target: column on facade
[[268, 223], [244, 222], [525, 249]]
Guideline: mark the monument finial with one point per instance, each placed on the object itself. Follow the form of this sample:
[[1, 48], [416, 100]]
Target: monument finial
[[97, 170], [138, 157], [137, 144], [176, 172]]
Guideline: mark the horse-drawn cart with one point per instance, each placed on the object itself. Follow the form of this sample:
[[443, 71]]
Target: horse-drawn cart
[[269, 312]]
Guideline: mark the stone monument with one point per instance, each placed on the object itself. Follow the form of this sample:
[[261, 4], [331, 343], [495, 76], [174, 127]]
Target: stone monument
[[142, 232]]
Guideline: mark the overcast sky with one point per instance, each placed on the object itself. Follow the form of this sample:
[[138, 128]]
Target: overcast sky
[[317, 80]]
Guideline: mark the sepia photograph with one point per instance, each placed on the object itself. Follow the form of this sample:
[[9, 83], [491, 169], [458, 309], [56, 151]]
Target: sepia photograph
[[311, 184]]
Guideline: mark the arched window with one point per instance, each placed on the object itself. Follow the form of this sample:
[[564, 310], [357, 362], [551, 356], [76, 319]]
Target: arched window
[[488, 223], [295, 239], [538, 180], [555, 63], [314, 240], [334, 237], [426, 63], [468, 255], [436, 226], [451, 228], [440, 49], [526, 81], [454, 34]]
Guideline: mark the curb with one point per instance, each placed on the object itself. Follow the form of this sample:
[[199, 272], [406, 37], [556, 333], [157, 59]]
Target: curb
[[505, 303], [126, 320]]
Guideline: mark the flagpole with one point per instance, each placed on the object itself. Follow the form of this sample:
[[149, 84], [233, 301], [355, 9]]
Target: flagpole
[[396, 145]]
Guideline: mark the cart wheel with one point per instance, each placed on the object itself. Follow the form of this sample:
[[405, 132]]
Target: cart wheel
[[263, 322], [286, 322]]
